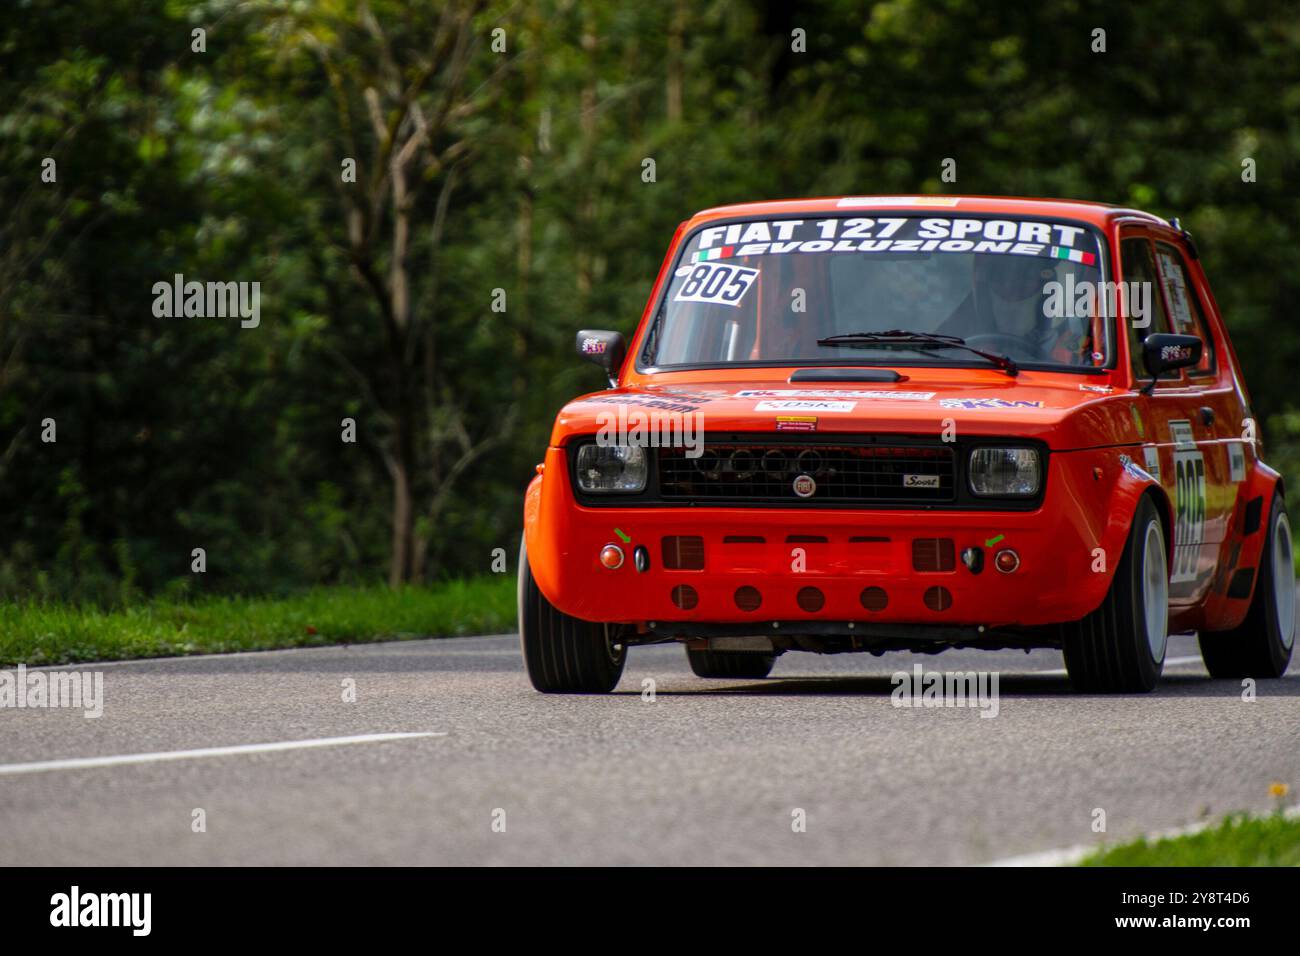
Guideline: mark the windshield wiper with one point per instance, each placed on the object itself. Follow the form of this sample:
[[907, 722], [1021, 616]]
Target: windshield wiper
[[901, 338]]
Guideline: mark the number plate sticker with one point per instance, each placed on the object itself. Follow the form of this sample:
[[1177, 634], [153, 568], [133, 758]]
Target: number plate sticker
[[717, 283], [1189, 513]]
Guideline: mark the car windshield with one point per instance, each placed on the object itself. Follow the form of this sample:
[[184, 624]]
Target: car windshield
[[780, 292]]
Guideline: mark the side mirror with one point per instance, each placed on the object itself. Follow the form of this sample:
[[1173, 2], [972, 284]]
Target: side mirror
[[606, 349], [1164, 352]]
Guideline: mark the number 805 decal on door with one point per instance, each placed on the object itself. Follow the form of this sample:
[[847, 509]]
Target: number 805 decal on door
[[719, 283], [1189, 502]]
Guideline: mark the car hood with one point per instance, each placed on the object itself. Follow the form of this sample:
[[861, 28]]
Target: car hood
[[1064, 411]]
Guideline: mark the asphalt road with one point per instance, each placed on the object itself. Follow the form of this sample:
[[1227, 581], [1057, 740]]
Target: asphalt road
[[710, 772]]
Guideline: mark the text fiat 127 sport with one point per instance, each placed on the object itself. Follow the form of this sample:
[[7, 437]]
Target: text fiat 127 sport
[[912, 423]]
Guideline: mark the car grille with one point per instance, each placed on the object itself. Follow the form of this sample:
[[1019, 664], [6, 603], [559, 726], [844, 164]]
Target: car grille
[[764, 471]]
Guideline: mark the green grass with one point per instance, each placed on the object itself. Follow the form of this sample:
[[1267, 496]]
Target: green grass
[[47, 633], [1240, 840]]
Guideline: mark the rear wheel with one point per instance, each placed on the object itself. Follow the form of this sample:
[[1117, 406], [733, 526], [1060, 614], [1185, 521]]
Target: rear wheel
[[744, 664], [563, 654], [1261, 646], [1120, 647]]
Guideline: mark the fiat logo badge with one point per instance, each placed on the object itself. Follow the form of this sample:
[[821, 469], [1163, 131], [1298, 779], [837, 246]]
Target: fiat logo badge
[[804, 486]]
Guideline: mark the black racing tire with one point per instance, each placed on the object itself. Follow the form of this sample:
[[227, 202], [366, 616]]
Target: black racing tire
[[1261, 645], [751, 665], [563, 654], [1120, 648]]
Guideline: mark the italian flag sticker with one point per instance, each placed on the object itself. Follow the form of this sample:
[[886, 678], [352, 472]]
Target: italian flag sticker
[[1074, 255], [722, 252]]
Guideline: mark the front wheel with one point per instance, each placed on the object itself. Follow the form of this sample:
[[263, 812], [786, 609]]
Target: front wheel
[[563, 654], [1120, 647], [1261, 646]]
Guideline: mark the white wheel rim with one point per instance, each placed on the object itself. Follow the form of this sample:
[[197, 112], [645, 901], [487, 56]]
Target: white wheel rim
[[1155, 591], [1284, 579]]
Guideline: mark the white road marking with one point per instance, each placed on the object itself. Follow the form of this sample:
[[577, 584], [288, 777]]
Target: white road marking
[[1169, 662], [1072, 855], [80, 763]]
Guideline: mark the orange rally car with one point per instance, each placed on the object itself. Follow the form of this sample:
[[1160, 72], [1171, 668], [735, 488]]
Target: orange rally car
[[912, 423]]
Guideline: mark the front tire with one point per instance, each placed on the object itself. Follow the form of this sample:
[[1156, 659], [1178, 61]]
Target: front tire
[[564, 654], [752, 665], [1120, 647], [1261, 645]]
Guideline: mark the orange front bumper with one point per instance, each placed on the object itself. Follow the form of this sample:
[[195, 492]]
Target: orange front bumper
[[837, 552]]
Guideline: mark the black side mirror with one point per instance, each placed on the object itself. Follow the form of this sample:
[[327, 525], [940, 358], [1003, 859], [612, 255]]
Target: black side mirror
[[1164, 352], [606, 349]]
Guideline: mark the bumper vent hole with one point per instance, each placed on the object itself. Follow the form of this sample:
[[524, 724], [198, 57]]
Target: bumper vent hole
[[748, 599], [684, 597], [938, 599]]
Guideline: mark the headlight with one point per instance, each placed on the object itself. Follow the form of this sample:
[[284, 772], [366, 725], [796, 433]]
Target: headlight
[[1004, 472], [617, 468]]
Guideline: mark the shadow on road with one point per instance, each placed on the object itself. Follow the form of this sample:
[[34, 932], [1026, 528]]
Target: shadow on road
[[1023, 685]]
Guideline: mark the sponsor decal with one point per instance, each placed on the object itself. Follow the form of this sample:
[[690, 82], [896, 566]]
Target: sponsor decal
[[1100, 389], [1151, 455], [859, 201], [593, 346], [834, 393], [717, 283], [988, 403], [682, 404], [796, 423], [895, 234], [805, 405], [1137, 421], [1132, 469], [920, 481], [1180, 433], [804, 486], [1236, 461]]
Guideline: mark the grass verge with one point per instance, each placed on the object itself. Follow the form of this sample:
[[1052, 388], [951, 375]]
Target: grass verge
[[48, 633], [1240, 840]]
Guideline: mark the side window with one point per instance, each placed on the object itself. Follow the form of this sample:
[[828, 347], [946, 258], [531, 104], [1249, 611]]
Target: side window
[[1139, 266], [1184, 303]]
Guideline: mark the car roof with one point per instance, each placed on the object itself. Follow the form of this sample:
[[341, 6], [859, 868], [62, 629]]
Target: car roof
[[1096, 213]]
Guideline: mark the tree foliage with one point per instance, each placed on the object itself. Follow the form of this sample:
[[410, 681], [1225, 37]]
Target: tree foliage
[[499, 151]]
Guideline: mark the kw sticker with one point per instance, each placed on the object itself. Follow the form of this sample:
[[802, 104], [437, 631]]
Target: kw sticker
[[988, 403]]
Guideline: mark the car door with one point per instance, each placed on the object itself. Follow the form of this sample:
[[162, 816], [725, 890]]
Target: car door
[[1183, 415], [1225, 452]]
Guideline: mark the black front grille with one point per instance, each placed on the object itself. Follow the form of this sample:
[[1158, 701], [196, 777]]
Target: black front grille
[[765, 471]]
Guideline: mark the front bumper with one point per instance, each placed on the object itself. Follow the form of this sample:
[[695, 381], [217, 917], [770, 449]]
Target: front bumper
[[839, 553]]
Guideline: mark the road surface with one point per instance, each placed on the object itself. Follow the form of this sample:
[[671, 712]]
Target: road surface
[[709, 772]]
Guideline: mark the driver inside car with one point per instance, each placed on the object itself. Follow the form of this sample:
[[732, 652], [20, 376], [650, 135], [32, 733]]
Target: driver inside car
[[1004, 312]]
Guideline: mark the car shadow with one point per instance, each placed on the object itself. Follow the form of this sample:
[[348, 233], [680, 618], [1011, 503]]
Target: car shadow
[[1024, 685]]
